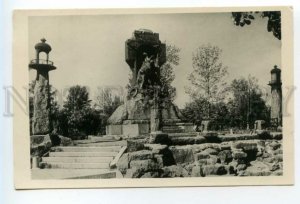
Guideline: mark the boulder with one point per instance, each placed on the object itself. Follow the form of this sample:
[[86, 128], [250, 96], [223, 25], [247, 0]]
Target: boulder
[[39, 145], [65, 141], [182, 154], [123, 163], [152, 174], [238, 154], [275, 145], [211, 151], [216, 169], [245, 145], [140, 155], [225, 146], [196, 171], [257, 168], [135, 144], [225, 156], [201, 155], [202, 147], [174, 171], [212, 160], [144, 165], [278, 157]]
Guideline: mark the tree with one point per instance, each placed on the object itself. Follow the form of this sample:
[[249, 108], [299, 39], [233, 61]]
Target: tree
[[81, 120], [274, 20], [207, 77], [77, 99], [194, 110], [107, 101], [247, 104], [167, 75]]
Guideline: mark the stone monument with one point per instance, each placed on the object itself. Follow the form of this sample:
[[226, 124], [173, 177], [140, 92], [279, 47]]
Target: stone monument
[[145, 109], [41, 123], [276, 94]]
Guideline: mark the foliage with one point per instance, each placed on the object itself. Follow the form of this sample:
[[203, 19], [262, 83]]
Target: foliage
[[274, 20], [78, 119], [194, 110], [247, 104], [207, 77], [107, 102], [167, 75]]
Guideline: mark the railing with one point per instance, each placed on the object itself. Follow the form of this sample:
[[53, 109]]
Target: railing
[[41, 61]]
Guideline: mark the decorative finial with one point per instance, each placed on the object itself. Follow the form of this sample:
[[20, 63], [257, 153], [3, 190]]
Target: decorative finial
[[275, 67], [43, 40]]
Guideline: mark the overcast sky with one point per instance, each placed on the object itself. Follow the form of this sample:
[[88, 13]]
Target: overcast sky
[[89, 50]]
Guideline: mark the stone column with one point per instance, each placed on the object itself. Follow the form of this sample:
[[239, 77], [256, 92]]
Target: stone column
[[41, 104]]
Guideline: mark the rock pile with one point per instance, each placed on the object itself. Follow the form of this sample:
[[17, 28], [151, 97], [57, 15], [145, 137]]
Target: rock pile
[[255, 157]]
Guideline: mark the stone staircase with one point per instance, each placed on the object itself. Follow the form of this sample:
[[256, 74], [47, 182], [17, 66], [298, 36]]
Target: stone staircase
[[86, 159]]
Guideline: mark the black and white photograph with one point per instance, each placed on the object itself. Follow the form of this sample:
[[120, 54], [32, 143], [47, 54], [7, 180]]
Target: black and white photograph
[[158, 96]]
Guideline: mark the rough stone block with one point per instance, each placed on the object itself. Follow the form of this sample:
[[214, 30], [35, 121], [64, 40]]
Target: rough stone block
[[216, 169], [257, 169], [144, 165], [201, 155], [135, 144], [174, 171], [196, 171], [182, 154], [238, 154], [123, 163], [140, 155], [114, 130], [225, 156]]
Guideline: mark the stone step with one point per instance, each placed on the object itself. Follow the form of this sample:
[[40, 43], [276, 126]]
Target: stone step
[[74, 174], [178, 124], [63, 165], [183, 134], [88, 149], [173, 131], [103, 144], [82, 154], [105, 137], [78, 159], [173, 128], [91, 141]]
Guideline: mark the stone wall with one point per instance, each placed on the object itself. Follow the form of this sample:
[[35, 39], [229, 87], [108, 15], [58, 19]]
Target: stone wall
[[246, 157]]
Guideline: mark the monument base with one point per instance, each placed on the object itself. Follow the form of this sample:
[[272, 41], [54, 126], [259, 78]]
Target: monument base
[[131, 130]]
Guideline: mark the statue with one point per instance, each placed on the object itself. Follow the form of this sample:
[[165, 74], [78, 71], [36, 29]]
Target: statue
[[148, 75]]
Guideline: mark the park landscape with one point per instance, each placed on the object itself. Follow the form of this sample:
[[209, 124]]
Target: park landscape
[[228, 123]]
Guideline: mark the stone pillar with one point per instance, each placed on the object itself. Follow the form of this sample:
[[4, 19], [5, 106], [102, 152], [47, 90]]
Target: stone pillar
[[41, 104]]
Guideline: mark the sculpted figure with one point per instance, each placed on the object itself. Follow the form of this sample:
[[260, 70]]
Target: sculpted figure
[[149, 73]]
